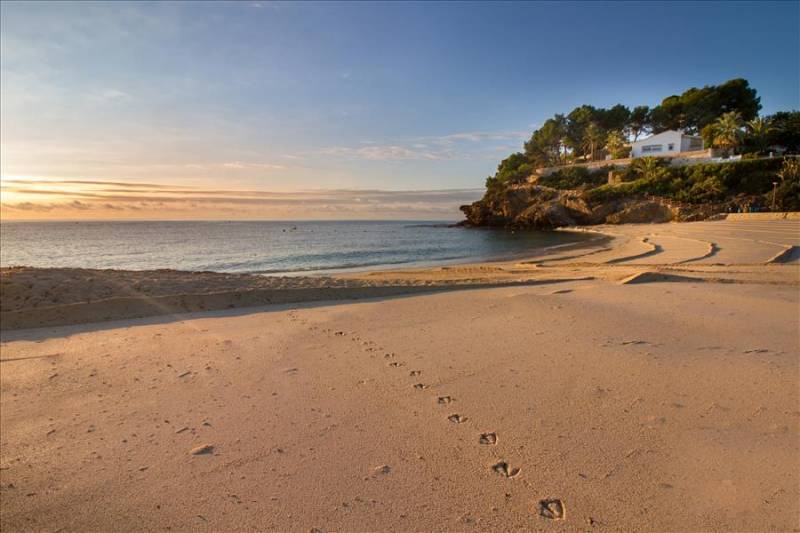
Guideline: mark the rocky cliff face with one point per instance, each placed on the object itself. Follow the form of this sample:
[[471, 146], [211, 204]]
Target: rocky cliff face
[[536, 206]]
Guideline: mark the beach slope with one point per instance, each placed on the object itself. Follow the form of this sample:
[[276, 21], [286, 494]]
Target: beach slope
[[620, 391]]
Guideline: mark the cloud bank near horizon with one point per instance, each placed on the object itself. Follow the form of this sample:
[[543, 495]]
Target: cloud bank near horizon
[[100, 199]]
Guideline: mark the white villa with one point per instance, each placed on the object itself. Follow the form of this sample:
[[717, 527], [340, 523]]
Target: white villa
[[669, 142], [681, 149]]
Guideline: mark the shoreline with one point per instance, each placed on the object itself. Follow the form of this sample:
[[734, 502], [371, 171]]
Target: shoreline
[[463, 261], [41, 297], [368, 262]]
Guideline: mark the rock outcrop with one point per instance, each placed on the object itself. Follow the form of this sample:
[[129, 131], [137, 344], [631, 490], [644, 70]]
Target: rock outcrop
[[540, 207]]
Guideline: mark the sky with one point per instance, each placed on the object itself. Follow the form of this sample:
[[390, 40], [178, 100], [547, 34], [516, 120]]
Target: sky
[[328, 110]]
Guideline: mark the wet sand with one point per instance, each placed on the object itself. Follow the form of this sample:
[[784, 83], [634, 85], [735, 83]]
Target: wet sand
[[650, 383]]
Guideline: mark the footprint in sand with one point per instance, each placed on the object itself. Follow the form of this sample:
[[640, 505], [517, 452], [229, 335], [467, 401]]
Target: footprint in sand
[[444, 400], [396, 364], [383, 470], [503, 469], [205, 449], [415, 373], [457, 419], [552, 509], [420, 386], [488, 439]]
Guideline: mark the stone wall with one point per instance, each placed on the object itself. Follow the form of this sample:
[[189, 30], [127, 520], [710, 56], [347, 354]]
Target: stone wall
[[677, 159], [592, 165]]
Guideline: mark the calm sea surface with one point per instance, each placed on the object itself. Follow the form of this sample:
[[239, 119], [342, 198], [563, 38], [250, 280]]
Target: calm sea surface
[[259, 247]]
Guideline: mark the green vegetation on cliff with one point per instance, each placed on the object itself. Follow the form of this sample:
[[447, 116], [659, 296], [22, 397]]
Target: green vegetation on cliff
[[706, 183]]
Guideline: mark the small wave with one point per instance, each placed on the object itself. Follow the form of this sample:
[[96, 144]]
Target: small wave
[[350, 266], [430, 225]]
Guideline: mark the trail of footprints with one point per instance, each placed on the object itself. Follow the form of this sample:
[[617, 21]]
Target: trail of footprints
[[503, 469], [549, 508], [488, 439]]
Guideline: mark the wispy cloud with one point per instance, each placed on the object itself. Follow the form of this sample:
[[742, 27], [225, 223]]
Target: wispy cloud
[[477, 136], [22, 181], [384, 153], [238, 165], [113, 198], [109, 96], [462, 145]]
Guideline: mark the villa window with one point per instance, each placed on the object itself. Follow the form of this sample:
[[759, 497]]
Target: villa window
[[670, 147], [652, 148]]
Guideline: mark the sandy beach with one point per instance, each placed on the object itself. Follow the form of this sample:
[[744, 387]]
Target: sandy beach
[[647, 381]]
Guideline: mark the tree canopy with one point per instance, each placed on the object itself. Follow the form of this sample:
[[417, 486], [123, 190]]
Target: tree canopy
[[726, 115], [697, 108], [577, 134]]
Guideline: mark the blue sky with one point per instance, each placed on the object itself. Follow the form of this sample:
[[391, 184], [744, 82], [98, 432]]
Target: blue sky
[[390, 96]]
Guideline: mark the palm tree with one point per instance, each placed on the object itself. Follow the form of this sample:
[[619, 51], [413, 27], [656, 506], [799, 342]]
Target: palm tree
[[593, 137], [728, 131], [758, 131], [648, 167], [615, 143]]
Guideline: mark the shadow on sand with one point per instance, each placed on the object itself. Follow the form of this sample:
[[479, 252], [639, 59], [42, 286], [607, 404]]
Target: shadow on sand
[[75, 319]]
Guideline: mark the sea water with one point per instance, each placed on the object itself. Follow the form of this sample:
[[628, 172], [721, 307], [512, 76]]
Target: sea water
[[265, 247]]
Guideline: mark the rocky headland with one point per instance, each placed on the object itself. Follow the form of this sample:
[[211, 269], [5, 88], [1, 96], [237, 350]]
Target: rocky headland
[[541, 207]]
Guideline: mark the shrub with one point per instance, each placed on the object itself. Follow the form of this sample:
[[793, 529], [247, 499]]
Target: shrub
[[790, 169], [749, 177], [787, 196], [709, 182], [644, 166], [574, 177], [629, 173], [611, 192]]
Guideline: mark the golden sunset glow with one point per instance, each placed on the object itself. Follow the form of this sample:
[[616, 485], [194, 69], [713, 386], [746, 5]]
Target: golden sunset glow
[[35, 199]]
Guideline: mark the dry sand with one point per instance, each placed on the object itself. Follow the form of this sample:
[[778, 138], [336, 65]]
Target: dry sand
[[649, 382]]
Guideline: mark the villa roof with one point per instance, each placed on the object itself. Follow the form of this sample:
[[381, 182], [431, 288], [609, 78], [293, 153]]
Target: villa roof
[[681, 132]]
